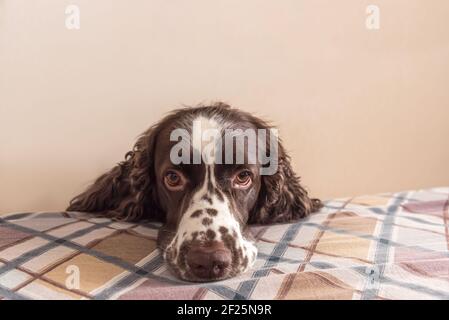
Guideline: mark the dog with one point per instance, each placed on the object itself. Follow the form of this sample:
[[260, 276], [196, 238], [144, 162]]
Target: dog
[[205, 206]]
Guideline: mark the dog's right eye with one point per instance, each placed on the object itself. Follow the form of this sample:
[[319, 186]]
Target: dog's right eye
[[174, 180]]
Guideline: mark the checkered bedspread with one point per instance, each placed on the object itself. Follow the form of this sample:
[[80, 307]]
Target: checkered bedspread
[[387, 246]]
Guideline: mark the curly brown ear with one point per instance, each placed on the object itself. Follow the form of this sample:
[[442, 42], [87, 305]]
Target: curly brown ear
[[127, 191], [282, 198]]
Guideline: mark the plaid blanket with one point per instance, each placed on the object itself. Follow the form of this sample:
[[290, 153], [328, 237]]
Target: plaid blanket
[[387, 246]]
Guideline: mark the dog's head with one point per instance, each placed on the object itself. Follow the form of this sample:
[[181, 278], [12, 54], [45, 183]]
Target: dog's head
[[206, 172]]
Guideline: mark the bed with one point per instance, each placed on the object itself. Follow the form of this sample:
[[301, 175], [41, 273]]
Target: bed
[[384, 246]]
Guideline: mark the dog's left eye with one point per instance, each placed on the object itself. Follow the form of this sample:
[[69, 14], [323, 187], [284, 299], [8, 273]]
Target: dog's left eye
[[243, 179]]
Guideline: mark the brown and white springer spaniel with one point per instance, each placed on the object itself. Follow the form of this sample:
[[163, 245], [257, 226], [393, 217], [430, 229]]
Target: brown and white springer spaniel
[[205, 206]]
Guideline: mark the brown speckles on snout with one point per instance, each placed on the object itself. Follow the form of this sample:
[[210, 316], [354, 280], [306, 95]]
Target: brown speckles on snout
[[209, 255], [207, 198], [223, 230], [196, 213], [207, 221], [210, 234], [231, 243], [211, 212]]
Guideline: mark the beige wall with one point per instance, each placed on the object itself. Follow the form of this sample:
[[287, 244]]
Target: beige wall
[[360, 111]]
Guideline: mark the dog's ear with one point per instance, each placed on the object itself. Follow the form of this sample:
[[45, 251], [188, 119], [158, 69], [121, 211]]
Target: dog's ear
[[127, 191], [282, 198]]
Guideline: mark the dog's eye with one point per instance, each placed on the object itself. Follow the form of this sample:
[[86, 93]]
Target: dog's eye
[[243, 179], [173, 180]]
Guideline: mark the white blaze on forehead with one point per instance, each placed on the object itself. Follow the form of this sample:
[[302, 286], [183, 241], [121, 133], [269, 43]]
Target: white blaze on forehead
[[206, 136]]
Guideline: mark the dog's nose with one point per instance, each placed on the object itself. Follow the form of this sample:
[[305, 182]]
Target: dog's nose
[[209, 261]]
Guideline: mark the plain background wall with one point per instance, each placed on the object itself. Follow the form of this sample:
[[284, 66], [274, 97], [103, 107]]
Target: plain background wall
[[360, 111]]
